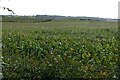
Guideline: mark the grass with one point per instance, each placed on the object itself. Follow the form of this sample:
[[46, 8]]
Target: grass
[[60, 49]]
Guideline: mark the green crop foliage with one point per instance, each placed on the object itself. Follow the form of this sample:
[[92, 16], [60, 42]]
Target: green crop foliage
[[60, 49]]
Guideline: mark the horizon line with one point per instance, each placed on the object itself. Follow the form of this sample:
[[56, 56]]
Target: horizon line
[[54, 15]]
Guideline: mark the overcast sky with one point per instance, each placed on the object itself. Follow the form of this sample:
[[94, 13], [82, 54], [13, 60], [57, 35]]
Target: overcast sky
[[91, 8]]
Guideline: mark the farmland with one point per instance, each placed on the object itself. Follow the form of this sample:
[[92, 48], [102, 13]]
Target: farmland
[[60, 49]]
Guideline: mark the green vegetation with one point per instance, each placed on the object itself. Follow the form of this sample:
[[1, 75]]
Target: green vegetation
[[60, 49], [25, 19]]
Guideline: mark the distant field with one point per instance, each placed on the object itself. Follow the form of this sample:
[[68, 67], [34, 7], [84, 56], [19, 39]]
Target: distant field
[[60, 49]]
